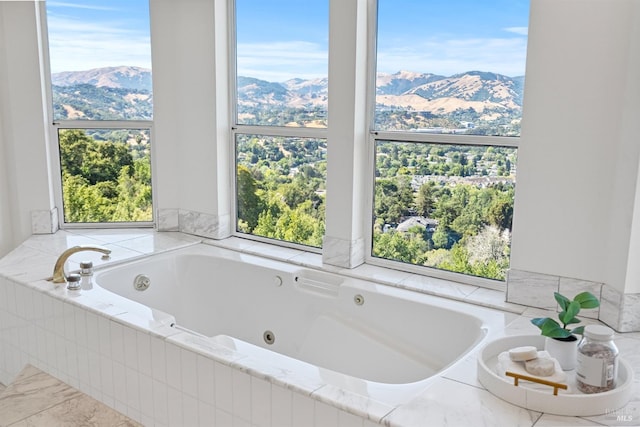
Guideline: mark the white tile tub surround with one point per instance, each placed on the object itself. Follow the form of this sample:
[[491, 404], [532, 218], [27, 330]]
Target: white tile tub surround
[[571, 287], [159, 376], [44, 222], [205, 225], [168, 219], [532, 289], [619, 311], [343, 253], [630, 313], [195, 223]]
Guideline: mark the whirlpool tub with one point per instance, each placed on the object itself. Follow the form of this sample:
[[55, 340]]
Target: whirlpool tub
[[372, 339]]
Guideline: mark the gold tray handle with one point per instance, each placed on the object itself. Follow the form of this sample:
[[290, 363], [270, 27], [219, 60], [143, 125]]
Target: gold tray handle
[[517, 377]]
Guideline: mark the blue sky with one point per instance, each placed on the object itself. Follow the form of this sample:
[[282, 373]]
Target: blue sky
[[282, 39], [85, 34]]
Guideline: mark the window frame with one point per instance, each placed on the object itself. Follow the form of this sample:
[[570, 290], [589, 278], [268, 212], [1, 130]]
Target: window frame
[[53, 144], [436, 139], [406, 136], [266, 130], [56, 126]]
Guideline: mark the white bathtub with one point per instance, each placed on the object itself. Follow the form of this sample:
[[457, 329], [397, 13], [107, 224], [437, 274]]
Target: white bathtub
[[372, 339]]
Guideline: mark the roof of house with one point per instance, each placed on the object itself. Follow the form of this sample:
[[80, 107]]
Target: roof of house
[[416, 220]]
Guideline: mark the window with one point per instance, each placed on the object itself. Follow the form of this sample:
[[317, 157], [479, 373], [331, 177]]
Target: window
[[281, 119], [102, 109], [448, 106]]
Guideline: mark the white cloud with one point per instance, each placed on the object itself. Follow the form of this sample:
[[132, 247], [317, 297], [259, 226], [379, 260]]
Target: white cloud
[[75, 45], [523, 31], [77, 5], [501, 55], [282, 61]]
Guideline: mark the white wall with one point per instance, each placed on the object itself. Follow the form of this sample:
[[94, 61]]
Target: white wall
[[629, 132], [6, 230], [578, 161], [347, 134], [26, 187], [6, 234], [189, 90]]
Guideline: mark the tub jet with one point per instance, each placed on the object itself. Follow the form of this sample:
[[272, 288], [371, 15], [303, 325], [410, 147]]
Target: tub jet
[[269, 337], [141, 282]]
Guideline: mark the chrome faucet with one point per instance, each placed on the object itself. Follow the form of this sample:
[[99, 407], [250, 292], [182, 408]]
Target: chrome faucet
[[59, 276]]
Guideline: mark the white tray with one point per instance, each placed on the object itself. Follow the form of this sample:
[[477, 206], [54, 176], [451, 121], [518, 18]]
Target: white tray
[[574, 403]]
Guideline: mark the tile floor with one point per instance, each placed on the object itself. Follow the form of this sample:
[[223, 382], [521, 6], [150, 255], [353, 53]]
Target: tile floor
[[38, 399]]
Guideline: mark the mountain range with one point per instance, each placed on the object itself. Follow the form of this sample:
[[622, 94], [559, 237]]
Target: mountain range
[[481, 93], [123, 77]]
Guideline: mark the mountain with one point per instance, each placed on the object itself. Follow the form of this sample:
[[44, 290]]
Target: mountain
[[85, 101], [479, 91], [253, 92], [402, 81], [472, 98], [472, 86], [296, 93], [475, 90], [122, 77]]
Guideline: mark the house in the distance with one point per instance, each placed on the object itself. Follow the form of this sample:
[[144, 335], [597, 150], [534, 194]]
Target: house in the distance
[[427, 223]]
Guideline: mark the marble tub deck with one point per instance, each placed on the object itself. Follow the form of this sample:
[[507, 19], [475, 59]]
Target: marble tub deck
[[37, 399], [454, 398]]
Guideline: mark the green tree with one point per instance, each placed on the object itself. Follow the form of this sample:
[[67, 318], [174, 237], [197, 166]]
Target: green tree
[[440, 238], [393, 198], [134, 194], [397, 246], [96, 161], [84, 202], [100, 180], [425, 199], [500, 212], [250, 205]]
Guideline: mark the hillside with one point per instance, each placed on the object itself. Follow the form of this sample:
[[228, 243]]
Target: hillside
[[122, 77], [487, 100]]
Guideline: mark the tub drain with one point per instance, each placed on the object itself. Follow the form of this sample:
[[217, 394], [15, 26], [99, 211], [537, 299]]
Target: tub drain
[[269, 337]]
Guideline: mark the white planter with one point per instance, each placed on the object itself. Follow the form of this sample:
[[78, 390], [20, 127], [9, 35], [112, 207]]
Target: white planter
[[565, 352]]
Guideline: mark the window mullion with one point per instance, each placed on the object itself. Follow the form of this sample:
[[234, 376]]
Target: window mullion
[[438, 138], [102, 124]]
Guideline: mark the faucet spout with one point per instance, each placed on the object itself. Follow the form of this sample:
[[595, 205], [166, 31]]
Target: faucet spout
[[59, 276]]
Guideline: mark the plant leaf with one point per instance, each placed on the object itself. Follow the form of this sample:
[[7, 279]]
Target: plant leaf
[[540, 321], [568, 316], [562, 300], [574, 320], [550, 328], [553, 330], [587, 300], [578, 331]]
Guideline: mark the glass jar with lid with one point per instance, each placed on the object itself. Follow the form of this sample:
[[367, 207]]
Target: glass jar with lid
[[597, 366]]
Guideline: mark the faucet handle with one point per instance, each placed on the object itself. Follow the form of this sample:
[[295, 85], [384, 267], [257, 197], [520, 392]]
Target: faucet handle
[[73, 282], [86, 268]]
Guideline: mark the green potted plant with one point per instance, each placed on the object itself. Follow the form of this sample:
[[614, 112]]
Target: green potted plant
[[561, 341]]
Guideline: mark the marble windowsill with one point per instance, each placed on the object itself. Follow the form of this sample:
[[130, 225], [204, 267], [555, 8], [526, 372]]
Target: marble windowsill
[[36, 398]]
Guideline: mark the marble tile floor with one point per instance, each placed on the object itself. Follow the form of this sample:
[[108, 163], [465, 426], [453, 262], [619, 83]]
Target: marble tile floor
[[35, 398]]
